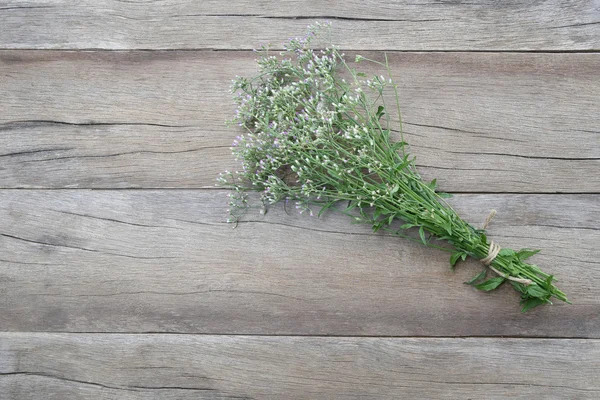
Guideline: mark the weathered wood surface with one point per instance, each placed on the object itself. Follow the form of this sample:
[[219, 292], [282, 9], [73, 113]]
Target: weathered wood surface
[[100, 366], [166, 261], [241, 24], [479, 122], [485, 110]]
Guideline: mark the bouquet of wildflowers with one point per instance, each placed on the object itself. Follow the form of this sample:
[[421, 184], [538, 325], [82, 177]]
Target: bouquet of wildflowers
[[317, 132]]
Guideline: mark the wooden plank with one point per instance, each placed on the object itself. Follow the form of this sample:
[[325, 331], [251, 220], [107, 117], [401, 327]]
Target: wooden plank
[[165, 261], [101, 366], [478, 122], [242, 24]]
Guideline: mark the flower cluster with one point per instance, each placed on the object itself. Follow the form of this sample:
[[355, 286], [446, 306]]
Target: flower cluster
[[317, 132]]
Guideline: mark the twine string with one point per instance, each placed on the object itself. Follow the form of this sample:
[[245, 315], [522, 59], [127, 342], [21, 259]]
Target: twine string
[[493, 252]]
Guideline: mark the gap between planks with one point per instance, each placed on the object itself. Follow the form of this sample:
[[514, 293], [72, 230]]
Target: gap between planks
[[213, 49], [199, 189], [300, 335]]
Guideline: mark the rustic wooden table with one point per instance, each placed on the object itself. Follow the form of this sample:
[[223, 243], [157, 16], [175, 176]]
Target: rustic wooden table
[[119, 278]]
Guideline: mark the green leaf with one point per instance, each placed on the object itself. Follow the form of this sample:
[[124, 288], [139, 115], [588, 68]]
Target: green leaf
[[422, 234], [398, 145], [363, 214], [490, 284], [456, 256], [394, 188], [433, 184], [479, 276], [536, 291], [524, 254], [548, 283], [530, 303], [535, 268], [447, 225], [519, 287], [376, 226], [380, 111], [444, 195], [407, 226], [401, 165], [325, 208], [361, 74], [334, 174], [351, 205], [506, 252]]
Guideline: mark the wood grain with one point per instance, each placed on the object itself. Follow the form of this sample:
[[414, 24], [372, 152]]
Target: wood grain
[[479, 122], [100, 366], [149, 294], [165, 261], [242, 24]]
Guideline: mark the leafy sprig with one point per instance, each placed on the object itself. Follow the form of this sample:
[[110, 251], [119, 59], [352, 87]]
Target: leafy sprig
[[318, 133]]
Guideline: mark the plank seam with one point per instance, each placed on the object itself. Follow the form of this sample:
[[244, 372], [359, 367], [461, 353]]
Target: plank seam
[[541, 193], [317, 336], [386, 50]]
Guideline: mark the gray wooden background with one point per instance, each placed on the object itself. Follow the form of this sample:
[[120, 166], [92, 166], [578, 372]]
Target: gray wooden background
[[119, 278]]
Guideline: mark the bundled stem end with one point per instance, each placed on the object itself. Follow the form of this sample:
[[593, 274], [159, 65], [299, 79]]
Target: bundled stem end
[[318, 133]]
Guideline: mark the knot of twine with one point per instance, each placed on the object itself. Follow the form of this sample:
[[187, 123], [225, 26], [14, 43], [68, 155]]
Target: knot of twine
[[493, 251]]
